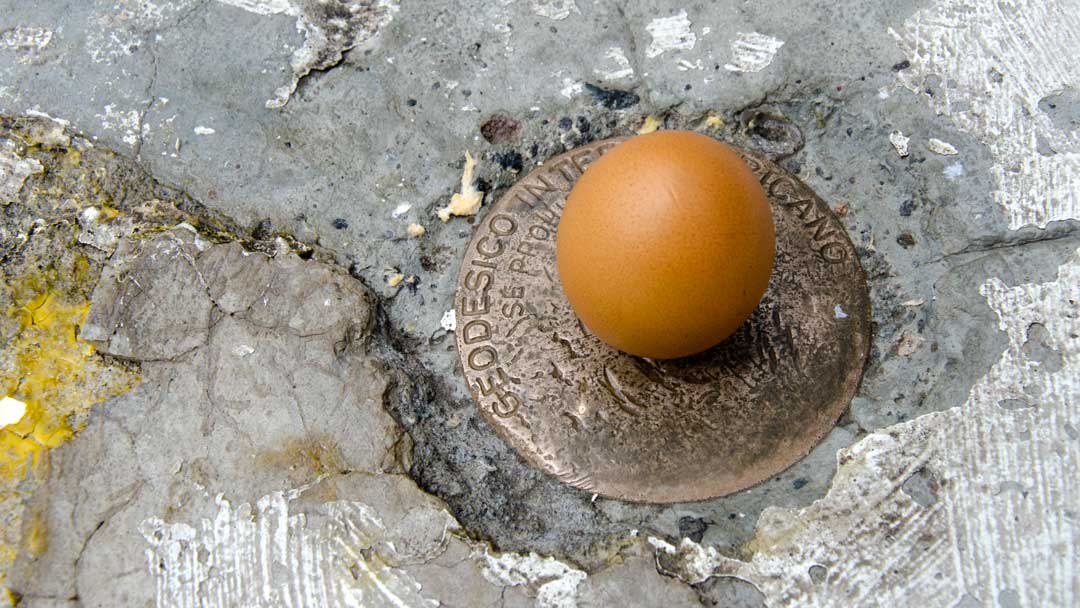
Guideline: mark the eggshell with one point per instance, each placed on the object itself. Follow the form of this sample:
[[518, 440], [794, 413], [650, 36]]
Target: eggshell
[[666, 244]]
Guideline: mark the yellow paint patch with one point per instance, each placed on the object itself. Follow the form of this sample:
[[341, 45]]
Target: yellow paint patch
[[47, 367], [48, 358], [652, 123]]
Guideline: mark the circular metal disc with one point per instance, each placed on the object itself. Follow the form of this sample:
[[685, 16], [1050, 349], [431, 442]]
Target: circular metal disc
[[659, 431]]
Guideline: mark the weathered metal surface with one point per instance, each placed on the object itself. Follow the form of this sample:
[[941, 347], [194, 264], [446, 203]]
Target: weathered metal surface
[[659, 431]]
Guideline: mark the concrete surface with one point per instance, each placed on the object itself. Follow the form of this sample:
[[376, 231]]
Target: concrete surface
[[948, 483]]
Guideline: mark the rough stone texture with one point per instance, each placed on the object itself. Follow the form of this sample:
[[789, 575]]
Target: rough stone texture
[[635, 582], [250, 403], [132, 320], [388, 126], [56, 234]]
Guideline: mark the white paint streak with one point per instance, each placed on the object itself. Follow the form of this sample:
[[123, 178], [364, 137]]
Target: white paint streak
[[124, 121], [752, 52], [39, 114], [449, 320], [200, 130], [118, 30], [622, 67], [266, 556], [670, 34], [995, 62], [1003, 516], [899, 142], [27, 42], [685, 65], [555, 9], [266, 7], [571, 88], [558, 582]]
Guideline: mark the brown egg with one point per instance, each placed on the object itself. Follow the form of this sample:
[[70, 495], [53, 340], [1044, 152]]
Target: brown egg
[[666, 244]]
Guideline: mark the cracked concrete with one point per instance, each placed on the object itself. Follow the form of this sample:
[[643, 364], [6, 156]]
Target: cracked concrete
[[385, 106], [284, 414]]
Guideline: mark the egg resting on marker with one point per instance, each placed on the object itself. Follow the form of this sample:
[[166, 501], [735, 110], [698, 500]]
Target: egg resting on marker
[[639, 429], [666, 244]]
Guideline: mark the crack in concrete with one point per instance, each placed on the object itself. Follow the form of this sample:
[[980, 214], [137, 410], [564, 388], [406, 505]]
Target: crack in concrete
[[104, 519], [140, 125], [1012, 241]]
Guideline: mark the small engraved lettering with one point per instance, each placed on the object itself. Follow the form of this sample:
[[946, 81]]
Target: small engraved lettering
[[783, 187], [547, 215], [834, 253], [823, 229], [518, 265], [506, 402], [483, 250], [475, 331], [582, 160], [472, 307], [539, 232], [567, 170], [514, 309], [479, 280], [527, 249], [803, 207], [482, 358], [502, 225], [513, 328], [484, 263], [605, 147], [538, 191]]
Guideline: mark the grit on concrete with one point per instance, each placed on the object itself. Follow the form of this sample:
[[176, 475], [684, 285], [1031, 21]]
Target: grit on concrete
[[302, 434]]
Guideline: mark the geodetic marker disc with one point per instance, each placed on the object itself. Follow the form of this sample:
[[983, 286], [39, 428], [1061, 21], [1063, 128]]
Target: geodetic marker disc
[[660, 431]]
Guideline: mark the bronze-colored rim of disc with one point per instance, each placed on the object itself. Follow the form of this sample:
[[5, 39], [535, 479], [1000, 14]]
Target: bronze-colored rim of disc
[[640, 430]]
